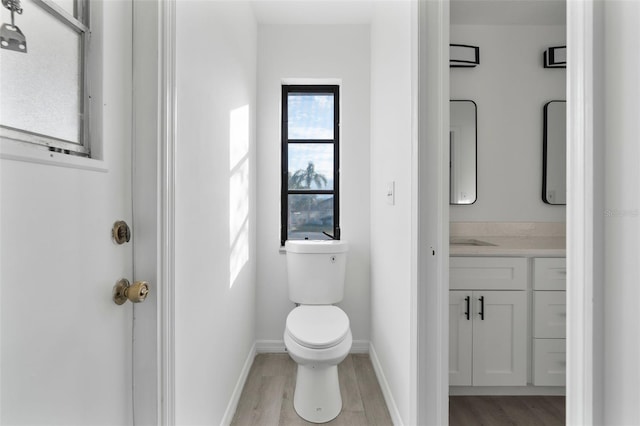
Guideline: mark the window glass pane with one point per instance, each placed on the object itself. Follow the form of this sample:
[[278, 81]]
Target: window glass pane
[[68, 6], [310, 116], [310, 166], [309, 215], [41, 89]]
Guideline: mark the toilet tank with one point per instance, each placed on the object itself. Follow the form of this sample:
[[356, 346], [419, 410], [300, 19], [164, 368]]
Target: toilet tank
[[315, 271]]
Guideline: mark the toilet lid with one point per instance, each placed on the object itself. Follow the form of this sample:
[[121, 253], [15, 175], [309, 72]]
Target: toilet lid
[[317, 326]]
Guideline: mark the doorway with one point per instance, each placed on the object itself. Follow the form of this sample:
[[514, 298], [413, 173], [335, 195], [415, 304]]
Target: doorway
[[510, 87]]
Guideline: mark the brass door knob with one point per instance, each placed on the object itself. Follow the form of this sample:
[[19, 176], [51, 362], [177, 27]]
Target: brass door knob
[[135, 292]]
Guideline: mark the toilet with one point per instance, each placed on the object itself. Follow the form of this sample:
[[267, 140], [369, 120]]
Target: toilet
[[317, 334]]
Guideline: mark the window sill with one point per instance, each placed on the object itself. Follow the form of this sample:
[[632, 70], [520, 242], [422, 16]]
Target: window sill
[[19, 151]]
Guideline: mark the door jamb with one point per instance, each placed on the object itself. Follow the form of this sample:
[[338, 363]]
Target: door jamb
[[583, 227], [154, 206], [431, 162], [166, 213]]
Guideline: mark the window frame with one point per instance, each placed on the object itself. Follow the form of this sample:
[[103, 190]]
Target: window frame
[[334, 90], [80, 23]]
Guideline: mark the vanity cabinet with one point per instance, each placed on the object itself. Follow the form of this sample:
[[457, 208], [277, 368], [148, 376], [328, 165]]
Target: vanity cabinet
[[549, 321], [488, 321]]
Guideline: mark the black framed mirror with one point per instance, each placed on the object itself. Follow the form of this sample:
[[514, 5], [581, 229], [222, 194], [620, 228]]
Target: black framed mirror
[[554, 153], [463, 146]]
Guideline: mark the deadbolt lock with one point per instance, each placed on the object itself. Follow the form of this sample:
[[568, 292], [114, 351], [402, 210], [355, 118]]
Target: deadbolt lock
[[121, 232], [135, 292]]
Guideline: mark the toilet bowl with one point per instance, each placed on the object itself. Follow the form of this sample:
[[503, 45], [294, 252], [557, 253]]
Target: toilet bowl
[[318, 338]]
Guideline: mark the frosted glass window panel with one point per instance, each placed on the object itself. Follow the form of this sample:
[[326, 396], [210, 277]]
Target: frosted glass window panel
[[310, 116], [310, 166], [68, 6], [41, 91]]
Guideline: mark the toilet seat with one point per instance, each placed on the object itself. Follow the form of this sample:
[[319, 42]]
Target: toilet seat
[[317, 326]]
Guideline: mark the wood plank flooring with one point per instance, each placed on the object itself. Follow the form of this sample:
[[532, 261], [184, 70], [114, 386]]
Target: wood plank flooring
[[267, 397], [506, 410]]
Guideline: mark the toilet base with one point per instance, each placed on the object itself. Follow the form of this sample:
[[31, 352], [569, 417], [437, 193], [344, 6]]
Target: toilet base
[[317, 396]]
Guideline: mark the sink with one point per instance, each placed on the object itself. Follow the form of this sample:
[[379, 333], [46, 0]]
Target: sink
[[468, 242]]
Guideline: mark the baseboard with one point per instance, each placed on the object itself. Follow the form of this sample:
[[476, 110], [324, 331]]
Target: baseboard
[[237, 391], [528, 390], [360, 347], [277, 346], [270, 346], [386, 390]]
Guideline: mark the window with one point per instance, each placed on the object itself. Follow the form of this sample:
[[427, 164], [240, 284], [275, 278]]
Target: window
[[310, 163], [45, 99]]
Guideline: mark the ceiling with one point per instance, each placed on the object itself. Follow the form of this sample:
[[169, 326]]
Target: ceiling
[[463, 12], [508, 12], [310, 12]]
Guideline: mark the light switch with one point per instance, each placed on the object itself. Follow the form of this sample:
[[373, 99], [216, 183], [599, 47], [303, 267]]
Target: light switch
[[391, 193]]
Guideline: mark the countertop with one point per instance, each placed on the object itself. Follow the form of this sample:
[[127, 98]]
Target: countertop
[[516, 246], [529, 239]]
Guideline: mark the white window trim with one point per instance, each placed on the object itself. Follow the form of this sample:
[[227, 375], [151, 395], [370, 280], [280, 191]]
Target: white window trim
[[32, 153]]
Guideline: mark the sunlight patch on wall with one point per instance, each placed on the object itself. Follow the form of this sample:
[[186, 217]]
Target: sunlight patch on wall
[[238, 135], [239, 253], [238, 191]]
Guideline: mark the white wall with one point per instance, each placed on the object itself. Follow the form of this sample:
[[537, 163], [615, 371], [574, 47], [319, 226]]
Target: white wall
[[313, 51], [510, 87], [215, 205], [621, 212], [391, 161]]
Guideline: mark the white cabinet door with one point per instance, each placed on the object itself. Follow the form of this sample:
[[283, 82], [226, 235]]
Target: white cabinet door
[[499, 338], [460, 338]]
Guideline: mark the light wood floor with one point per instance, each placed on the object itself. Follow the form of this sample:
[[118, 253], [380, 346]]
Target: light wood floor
[[267, 397], [506, 410]]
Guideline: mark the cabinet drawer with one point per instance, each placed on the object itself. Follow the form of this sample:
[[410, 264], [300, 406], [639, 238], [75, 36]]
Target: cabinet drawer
[[487, 273], [549, 273], [549, 314], [549, 362]]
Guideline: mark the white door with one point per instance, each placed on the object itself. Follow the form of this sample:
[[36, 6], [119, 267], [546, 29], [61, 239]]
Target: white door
[[500, 338], [460, 337], [66, 347]]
